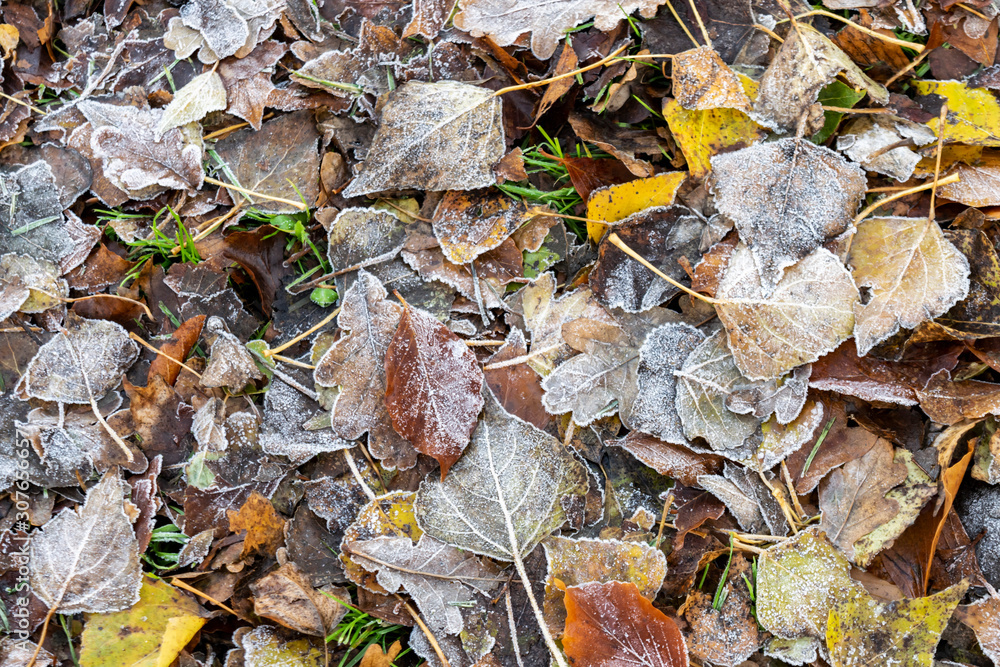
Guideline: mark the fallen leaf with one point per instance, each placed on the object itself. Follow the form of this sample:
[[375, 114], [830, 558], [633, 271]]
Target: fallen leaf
[[611, 623], [263, 525], [702, 81], [623, 143], [287, 414], [973, 113], [948, 402], [37, 282], [434, 136], [433, 390], [975, 315], [518, 388], [388, 515], [750, 498], [913, 274], [265, 646], [870, 141], [219, 30], [984, 619], [701, 135], [672, 460], [618, 202], [724, 635], [203, 94], [786, 198], [467, 224], [286, 597], [180, 344], [230, 364], [362, 237], [429, 17]]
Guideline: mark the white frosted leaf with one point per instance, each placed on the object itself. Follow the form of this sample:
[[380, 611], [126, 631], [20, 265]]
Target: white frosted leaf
[[506, 493], [31, 214], [201, 95], [230, 363], [809, 313], [222, 28], [362, 237], [867, 138], [786, 197], [913, 273], [86, 352], [87, 559], [43, 288], [434, 136], [283, 432]]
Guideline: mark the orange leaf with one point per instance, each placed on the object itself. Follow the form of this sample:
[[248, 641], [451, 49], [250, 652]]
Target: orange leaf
[[178, 347]]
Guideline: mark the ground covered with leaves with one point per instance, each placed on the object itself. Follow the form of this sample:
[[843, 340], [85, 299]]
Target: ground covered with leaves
[[502, 333]]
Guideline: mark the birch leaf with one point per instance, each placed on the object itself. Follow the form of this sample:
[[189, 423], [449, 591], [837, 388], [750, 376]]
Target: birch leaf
[[913, 272], [786, 197], [87, 559], [809, 313], [203, 94], [434, 136]]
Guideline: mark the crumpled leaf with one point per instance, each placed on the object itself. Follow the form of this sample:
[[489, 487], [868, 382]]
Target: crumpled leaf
[[433, 390], [434, 136], [103, 574], [853, 498], [230, 364], [805, 63], [798, 582], [283, 431], [203, 94], [664, 351], [356, 364], [748, 498], [867, 138], [504, 496], [780, 440], [286, 597], [786, 197], [503, 21], [152, 632], [612, 624], [87, 359], [705, 379], [728, 635], [862, 631], [579, 561], [809, 313], [912, 271], [440, 578], [221, 28], [280, 160], [978, 314], [703, 81]]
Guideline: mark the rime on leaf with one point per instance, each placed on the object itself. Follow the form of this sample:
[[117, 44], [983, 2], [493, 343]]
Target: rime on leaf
[[913, 272], [809, 312], [230, 364], [518, 388], [786, 197], [37, 281], [862, 631], [728, 635], [263, 525], [467, 224], [389, 515], [434, 136], [266, 646], [620, 201], [612, 624], [86, 352], [671, 460], [868, 136], [87, 559], [202, 95], [219, 29], [433, 390], [287, 597], [984, 619], [978, 314], [28, 195], [283, 432], [356, 364], [362, 237], [702, 81], [505, 494]]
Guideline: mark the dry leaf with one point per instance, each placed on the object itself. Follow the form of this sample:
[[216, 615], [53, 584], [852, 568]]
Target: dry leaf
[[202, 95], [728, 635], [286, 597], [230, 364], [948, 402], [674, 461], [467, 224], [263, 525], [702, 81]]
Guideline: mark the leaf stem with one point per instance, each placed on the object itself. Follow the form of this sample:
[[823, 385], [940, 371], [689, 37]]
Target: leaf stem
[[180, 363], [613, 238], [919, 48], [545, 82], [305, 334], [954, 178], [539, 617], [427, 632]]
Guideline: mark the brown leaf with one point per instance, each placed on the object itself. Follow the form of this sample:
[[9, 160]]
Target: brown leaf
[[984, 619], [517, 387], [612, 624], [623, 143], [567, 63], [265, 527], [728, 635], [702, 81], [375, 657], [841, 443], [433, 385], [948, 402], [101, 269], [161, 418], [468, 224], [286, 596], [178, 346], [674, 461]]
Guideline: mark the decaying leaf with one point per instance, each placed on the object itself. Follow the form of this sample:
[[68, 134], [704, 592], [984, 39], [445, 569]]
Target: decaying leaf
[[725, 634], [869, 140], [786, 197], [984, 619], [363, 237], [948, 402], [434, 136], [218, 29], [29, 285], [467, 224], [433, 390], [286, 597], [972, 112], [703, 81], [912, 271], [87, 559], [283, 431], [202, 95], [266, 646], [263, 525]]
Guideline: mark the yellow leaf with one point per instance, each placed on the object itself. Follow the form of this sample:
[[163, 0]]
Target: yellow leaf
[[617, 202], [973, 113], [150, 634], [9, 36]]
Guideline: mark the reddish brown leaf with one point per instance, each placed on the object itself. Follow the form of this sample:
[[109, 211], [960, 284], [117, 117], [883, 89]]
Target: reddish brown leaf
[[101, 269], [948, 402], [608, 625], [265, 527], [178, 347], [517, 387], [433, 386], [674, 461]]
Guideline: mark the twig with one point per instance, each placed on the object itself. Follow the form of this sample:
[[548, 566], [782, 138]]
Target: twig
[[357, 474], [231, 128], [23, 103], [484, 343], [427, 631], [913, 63], [292, 362], [545, 82], [770, 33], [45, 630], [697, 17], [973, 11], [681, 23], [954, 178], [297, 204], [919, 48], [180, 583], [663, 517], [522, 359], [791, 490], [305, 334], [937, 161], [163, 354], [613, 238]]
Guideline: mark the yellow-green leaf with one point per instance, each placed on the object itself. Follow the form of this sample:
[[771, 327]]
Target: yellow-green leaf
[[150, 634], [618, 202], [973, 113]]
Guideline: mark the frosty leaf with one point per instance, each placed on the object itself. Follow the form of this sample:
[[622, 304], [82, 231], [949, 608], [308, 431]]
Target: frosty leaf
[[978, 184], [281, 160], [809, 313], [203, 94], [518, 388], [433, 390], [86, 359], [798, 581], [286, 597], [914, 274], [220, 28], [868, 140], [31, 214], [984, 619], [265, 646], [440, 578], [581, 561], [503, 21], [723, 632], [806, 62], [948, 402], [389, 515], [862, 631], [748, 498], [160, 625], [348, 72], [263, 525], [786, 197], [230, 364], [504, 495], [283, 432], [703, 383], [664, 351], [467, 224], [853, 498], [362, 237], [356, 364], [43, 288], [434, 136], [87, 559], [125, 139], [978, 314], [702, 81], [674, 461], [429, 17], [612, 624], [780, 440], [661, 235]]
